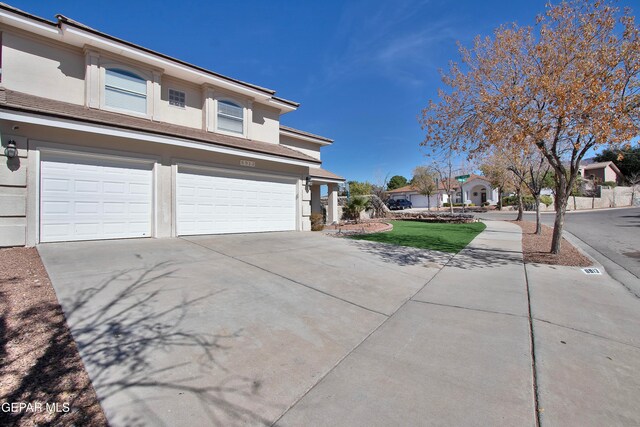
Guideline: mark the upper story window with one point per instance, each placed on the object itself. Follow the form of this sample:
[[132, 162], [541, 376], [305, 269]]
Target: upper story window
[[230, 117], [177, 98], [125, 90]]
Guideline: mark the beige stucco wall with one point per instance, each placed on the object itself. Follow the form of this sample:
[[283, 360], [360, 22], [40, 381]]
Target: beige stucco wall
[[18, 189], [191, 115], [42, 68], [610, 174], [308, 148], [13, 193], [265, 124], [45, 68]]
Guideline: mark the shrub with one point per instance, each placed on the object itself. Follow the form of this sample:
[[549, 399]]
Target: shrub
[[513, 200], [446, 205], [611, 184], [485, 204], [317, 222], [526, 200], [356, 205]]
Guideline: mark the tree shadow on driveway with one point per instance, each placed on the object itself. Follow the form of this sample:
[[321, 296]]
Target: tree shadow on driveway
[[403, 255], [139, 349], [467, 258]]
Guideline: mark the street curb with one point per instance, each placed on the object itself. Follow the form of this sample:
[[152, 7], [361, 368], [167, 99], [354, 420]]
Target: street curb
[[611, 268]]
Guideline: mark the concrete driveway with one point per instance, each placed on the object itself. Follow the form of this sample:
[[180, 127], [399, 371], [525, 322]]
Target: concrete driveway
[[295, 329], [224, 329]]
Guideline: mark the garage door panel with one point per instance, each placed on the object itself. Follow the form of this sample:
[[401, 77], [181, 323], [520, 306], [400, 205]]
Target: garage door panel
[[85, 199], [225, 202]]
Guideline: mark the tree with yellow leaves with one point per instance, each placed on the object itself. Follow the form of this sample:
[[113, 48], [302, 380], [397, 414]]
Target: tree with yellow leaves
[[563, 87]]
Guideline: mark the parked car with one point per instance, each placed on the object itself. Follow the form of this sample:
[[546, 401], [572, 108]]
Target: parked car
[[399, 204], [404, 204]]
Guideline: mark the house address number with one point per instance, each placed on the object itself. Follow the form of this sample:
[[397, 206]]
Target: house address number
[[248, 163]]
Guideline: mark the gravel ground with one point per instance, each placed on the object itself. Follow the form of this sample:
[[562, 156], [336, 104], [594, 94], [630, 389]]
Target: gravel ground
[[39, 361], [536, 249], [362, 227]]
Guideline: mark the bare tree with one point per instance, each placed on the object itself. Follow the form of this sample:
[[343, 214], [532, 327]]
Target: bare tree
[[569, 85], [532, 170], [425, 182]]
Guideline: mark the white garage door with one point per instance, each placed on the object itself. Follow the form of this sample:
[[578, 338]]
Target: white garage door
[[92, 198], [216, 202]]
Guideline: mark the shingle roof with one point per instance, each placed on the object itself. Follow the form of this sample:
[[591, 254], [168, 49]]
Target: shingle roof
[[598, 165], [12, 100], [323, 173], [301, 132]]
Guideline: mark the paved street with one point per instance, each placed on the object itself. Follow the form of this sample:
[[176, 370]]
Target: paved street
[[614, 233]]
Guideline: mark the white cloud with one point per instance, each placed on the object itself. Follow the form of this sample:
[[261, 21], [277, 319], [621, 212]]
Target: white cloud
[[391, 39]]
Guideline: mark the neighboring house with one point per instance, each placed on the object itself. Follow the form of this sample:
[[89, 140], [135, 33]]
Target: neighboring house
[[115, 140], [601, 172], [476, 190], [408, 192]]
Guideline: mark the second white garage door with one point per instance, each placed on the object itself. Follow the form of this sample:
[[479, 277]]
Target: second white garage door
[[217, 202]]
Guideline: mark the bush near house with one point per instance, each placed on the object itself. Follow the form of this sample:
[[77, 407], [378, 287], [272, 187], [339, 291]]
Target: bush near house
[[355, 206], [457, 205], [611, 184], [317, 222], [527, 200]]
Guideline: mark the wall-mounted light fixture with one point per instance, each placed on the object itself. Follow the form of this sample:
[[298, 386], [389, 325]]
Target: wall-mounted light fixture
[[11, 150], [308, 181]]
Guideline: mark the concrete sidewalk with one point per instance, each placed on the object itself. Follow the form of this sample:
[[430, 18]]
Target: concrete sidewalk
[[462, 351], [587, 348], [457, 353]]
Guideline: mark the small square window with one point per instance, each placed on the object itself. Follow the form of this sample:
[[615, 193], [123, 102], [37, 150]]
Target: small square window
[[177, 98]]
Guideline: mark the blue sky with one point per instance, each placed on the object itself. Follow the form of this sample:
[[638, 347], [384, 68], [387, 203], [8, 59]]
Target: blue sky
[[361, 70]]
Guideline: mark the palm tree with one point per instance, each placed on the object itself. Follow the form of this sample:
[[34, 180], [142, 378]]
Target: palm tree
[[355, 206]]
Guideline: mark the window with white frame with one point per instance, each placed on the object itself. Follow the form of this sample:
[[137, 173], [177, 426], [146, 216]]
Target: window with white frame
[[125, 90], [230, 117], [177, 98]]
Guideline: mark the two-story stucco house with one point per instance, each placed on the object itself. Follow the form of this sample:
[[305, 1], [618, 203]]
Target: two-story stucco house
[[104, 139]]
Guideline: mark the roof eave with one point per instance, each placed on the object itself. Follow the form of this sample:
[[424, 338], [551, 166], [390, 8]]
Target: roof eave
[[298, 134], [163, 134]]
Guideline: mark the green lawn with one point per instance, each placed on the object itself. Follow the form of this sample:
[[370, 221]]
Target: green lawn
[[424, 235]]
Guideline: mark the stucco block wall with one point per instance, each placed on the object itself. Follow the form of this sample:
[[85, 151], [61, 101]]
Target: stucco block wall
[[308, 148], [13, 193], [42, 68], [609, 198]]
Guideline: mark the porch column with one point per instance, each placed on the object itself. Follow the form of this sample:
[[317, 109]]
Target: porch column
[[316, 206], [332, 204]]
